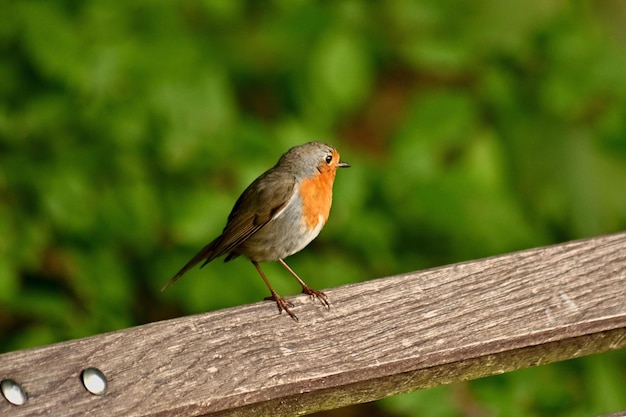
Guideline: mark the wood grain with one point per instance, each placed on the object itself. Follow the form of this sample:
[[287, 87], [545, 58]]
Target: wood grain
[[380, 338]]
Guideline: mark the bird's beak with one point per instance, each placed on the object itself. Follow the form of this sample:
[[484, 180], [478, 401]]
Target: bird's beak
[[342, 164]]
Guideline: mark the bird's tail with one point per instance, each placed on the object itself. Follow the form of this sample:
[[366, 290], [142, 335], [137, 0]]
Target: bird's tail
[[208, 253]]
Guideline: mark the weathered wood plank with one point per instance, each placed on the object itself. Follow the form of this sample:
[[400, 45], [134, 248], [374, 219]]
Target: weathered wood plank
[[380, 338]]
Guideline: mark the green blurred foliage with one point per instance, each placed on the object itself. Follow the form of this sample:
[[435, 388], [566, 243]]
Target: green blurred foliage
[[128, 129]]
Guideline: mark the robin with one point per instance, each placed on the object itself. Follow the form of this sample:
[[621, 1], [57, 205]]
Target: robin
[[280, 213]]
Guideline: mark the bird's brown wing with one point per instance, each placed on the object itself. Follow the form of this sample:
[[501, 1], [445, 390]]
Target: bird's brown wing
[[256, 206]]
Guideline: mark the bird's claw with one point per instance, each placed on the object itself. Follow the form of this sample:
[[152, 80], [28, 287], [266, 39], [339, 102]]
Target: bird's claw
[[283, 304], [317, 294]]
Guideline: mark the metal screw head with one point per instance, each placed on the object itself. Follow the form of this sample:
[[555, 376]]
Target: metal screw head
[[13, 392], [94, 380]]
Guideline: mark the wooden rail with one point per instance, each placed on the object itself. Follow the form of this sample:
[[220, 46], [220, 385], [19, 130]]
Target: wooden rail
[[381, 337]]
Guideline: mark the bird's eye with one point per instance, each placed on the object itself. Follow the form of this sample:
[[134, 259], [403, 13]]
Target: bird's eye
[[329, 158]]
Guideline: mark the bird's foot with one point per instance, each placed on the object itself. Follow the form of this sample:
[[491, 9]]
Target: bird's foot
[[316, 294], [282, 304]]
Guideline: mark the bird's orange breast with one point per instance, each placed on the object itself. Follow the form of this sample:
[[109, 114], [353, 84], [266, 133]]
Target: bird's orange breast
[[316, 195]]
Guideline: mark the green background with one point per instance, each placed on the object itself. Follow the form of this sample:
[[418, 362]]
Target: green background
[[128, 129]]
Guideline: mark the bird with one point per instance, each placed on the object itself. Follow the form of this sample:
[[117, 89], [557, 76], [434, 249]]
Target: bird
[[277, 215]]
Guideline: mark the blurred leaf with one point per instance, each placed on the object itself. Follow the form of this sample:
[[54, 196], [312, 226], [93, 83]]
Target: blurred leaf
[[340, 71], [434, 402]]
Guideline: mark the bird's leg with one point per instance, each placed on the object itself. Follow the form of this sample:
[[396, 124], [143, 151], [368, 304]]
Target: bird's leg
[[281, 303], [305, 288]]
